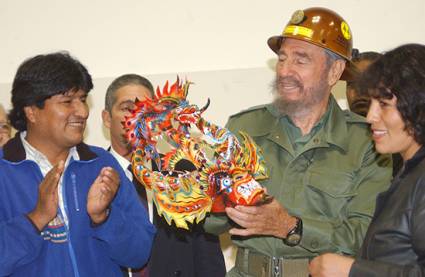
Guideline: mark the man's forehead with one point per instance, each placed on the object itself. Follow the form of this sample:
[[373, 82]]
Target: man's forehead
[[128, 100], [131, 92], [296, 45]]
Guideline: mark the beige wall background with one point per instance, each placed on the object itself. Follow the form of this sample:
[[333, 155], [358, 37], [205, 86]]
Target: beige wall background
[[219, 45]]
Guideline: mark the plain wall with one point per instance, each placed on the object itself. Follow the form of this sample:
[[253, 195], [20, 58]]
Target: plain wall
[[156, 37], [220, 45]]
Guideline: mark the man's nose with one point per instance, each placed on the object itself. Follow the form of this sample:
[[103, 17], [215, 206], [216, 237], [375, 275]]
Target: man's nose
[[281, 69], [81, 109], [284, 69]]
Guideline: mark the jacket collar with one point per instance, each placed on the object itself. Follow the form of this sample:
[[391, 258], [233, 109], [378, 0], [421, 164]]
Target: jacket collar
[[414, 161], [333, 132], [14, 151]]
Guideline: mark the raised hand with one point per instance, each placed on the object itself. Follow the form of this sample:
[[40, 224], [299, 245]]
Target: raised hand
[[47, 203], [101, 194], [269, 219]]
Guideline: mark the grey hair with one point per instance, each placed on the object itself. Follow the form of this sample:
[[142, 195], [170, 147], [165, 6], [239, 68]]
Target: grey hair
[[331, 57], [124, 80]]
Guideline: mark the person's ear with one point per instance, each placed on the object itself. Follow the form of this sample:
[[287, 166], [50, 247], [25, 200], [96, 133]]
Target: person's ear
[[335, 72], [31, 113], [106, 117]]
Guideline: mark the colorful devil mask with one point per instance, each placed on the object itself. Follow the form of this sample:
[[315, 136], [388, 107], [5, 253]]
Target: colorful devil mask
[[227, 168]]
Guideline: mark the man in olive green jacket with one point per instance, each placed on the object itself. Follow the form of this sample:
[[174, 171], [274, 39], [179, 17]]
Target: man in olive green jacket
[[324, 172]]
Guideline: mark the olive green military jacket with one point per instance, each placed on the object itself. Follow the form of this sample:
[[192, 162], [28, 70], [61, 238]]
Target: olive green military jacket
[[331, 184]]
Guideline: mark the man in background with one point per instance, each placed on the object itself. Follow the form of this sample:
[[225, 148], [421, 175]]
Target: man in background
[[357, 102], [66, 208], [175, 252], [324, 173], [5, 129]]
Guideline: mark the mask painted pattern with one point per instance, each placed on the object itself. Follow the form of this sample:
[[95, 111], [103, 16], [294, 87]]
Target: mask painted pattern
[[227, 169]]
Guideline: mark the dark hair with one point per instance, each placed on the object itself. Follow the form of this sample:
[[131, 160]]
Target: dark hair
[[401, 73], [359, 57], [43, 76], [365, 56], [358, 103], [124, 80]]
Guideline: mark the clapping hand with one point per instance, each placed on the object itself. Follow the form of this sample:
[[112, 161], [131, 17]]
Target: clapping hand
[[101, 194], [47, 203]]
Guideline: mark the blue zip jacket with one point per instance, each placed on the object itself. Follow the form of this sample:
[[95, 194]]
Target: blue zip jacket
[[124, 239]]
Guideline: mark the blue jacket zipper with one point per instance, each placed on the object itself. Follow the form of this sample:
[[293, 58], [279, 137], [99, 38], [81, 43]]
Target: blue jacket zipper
[[70, 247]]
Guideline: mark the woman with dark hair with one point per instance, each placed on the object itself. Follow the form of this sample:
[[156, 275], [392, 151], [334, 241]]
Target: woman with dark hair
[[395, 242]]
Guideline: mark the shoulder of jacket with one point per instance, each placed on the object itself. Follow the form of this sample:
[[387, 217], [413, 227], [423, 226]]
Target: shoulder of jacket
[[253, 109], [353, 118], [255, 121]]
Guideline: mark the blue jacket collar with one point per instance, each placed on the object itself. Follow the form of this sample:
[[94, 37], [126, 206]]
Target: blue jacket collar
[[14, 151]]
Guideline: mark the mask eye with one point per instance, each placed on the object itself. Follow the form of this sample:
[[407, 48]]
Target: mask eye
[[226, 182], [226, 185]]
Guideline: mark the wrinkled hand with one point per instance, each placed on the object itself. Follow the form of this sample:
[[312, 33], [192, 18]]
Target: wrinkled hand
[[330, 265], [47, 203], [101, 194], [269, 219]]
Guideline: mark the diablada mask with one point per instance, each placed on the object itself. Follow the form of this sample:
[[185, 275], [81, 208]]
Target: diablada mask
[[224, 170]]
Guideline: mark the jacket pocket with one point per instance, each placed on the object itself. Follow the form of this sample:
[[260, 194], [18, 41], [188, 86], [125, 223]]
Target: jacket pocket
[[327, 193]]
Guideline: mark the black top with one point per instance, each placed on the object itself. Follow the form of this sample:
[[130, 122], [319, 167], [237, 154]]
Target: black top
[[395, 241]]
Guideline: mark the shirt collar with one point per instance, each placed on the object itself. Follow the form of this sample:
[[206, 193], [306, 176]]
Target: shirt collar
[[124, 163], [333, 131], [39, 158]]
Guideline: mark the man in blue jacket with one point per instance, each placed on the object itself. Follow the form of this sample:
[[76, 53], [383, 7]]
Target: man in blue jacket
[[66, 208]]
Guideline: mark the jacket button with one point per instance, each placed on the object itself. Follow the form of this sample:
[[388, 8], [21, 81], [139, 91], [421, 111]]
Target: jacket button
[[316, 140], [177, 273], [314, 244]]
